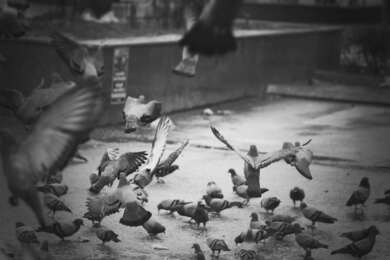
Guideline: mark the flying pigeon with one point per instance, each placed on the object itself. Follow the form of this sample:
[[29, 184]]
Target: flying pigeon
[[145, 174], [25, 234], [107, 235], [360, 248], [50, 145], [110, 170], [198, 252], [297, 194], [167, 167], [85, 61], [315, 215], [212, 33], [217, 245], [139, 113], [360, 196], [270, 204]]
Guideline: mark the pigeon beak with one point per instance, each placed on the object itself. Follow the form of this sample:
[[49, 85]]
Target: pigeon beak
[[130, 130]]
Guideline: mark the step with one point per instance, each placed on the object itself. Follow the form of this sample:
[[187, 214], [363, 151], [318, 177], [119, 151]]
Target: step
[[347, 78], [333, 92]]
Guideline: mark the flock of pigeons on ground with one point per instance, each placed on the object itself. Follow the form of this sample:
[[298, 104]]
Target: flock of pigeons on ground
[[51, 123]]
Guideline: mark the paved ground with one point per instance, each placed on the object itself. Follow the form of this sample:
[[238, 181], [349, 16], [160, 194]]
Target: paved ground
[[349, 142]]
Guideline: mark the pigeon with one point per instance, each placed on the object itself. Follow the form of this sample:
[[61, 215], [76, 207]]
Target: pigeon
[[247, 254], [357, 235], [54, 188], [86, 61], [187, 65], [198, 252], [186, 210], [200, 215], [255, 223], [270, 204], [242, 191], [25, 234], [251, 235], [315, 215], [50, 145], [171, 205], [297, 194], [80, 157], [212, 33], [384, 200], [101, 206], [217, 205], [54, 178], [308, 243], [387, 192], [360, 196], [360, 248], [63, 229], [282, 229], [107, 235], [53, 203], [237, 180], [217, 245], [110, 170], [213, 191], [13, 23], [295, 155], [283, 218], [167, 167], [153, 227], [98, 8], [145, 174], [139, 113], [29, 252]]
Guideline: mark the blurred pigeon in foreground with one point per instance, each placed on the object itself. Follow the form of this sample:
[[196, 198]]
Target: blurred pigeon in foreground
[[297, 194], [50, 145], [217, 245], [360, 196], [139, 113], [360, 248], [212, 33], [83, 60]]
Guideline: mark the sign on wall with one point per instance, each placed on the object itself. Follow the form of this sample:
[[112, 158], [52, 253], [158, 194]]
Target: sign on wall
[[119, 75]]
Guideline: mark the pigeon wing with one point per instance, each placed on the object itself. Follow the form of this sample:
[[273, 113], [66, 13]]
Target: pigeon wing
[[303, 161], [55, 136], [130, 162], [220, 137], [174, 155]]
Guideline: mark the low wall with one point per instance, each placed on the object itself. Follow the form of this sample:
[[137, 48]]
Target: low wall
[[262, 57]]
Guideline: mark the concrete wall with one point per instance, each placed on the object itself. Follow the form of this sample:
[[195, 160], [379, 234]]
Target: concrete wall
[[261, 58]]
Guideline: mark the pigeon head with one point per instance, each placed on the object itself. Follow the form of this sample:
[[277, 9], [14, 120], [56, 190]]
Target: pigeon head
[[78, 222], [253, 151], [254, 216], [238, 239], [297, 228], [364, 183], [303, 205], [373, 230], [211, 183], [19, 224], [232, 172], [196, 247]]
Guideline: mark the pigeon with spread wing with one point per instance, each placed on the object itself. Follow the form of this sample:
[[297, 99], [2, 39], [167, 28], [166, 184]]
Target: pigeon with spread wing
[[167, 167], [145, 174], [83, 60], [50, 145], [109, 170]]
